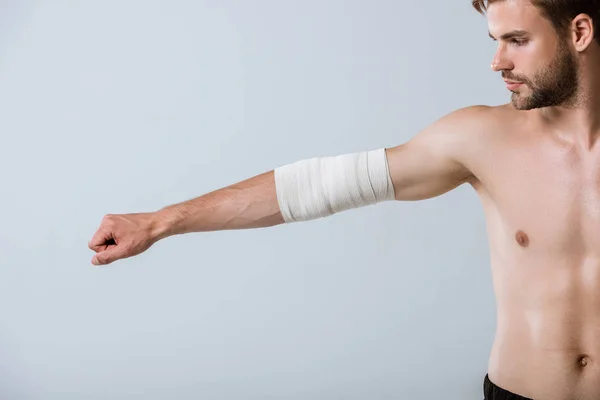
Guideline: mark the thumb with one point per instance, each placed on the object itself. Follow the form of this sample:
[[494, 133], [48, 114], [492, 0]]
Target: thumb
[[113, 253]]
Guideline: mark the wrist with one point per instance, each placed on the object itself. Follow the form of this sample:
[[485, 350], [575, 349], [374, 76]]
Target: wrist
[[163, 224]]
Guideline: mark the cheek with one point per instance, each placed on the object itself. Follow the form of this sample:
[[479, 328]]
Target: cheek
[[530, 59], [541, 54]]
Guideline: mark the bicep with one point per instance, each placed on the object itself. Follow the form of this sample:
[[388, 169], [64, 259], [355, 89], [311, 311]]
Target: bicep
[[431, 164]]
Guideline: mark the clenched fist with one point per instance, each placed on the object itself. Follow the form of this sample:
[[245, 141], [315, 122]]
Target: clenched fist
[[122, 236]]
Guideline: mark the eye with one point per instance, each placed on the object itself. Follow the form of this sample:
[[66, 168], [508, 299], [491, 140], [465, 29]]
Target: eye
[[519, 42]]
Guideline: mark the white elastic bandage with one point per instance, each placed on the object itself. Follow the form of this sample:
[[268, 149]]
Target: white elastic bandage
[[319, 187]]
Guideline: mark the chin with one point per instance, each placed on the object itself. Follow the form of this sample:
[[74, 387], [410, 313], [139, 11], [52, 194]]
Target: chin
[[517, 101], [521, 104]]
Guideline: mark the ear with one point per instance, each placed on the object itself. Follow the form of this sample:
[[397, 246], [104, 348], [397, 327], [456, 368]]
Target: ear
[[582, 29]]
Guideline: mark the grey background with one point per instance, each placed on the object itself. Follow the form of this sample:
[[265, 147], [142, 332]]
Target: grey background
[[129, 106]]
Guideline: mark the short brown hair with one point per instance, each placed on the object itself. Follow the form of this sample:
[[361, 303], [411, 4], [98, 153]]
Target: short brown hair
[[559, 12]]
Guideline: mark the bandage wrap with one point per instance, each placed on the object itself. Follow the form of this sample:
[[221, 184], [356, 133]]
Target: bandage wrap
[[319, 187]]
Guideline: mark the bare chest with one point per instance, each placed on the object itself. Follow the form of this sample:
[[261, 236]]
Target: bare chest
[[544, 198]]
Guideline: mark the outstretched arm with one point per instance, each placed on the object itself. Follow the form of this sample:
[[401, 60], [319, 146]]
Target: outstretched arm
[[428, 165]]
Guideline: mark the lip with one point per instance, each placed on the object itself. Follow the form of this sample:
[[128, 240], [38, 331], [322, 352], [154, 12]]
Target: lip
[[512, 84]]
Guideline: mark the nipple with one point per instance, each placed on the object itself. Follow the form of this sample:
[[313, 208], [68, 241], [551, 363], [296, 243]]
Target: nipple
[[522, 239]]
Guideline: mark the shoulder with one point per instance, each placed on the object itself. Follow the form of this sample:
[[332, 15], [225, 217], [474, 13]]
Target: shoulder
[[478, 133], [474, 126], [479, 116], [465, 133], [468, 135], [452, 130]]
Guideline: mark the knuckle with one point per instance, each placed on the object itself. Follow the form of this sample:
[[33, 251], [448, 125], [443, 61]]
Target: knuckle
[[128, 246]]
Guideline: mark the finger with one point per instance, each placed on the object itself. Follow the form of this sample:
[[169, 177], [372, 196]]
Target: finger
[[100, 240], [99, 261], [110, 255]]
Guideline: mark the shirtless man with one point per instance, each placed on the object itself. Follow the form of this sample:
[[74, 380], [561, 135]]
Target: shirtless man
[[535, 165]]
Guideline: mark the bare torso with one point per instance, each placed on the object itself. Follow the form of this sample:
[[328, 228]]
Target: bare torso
[[541, 197]]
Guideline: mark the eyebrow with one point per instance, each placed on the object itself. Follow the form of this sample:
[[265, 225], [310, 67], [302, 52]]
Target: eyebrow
[[511, 34]]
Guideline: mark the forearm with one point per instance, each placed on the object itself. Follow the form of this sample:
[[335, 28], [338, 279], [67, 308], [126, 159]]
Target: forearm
[[301, 191], [248, 204]]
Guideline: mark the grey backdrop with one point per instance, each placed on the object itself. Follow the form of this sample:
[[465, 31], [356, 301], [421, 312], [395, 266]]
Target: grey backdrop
[[129, 106]]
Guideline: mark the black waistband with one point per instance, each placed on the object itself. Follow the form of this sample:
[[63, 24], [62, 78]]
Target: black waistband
[[493, 392]]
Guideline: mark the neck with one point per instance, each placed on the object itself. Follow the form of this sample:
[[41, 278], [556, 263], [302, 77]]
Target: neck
[[579, 120]]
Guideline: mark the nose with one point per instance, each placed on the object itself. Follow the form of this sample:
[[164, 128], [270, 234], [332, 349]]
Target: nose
[[501, 61]]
